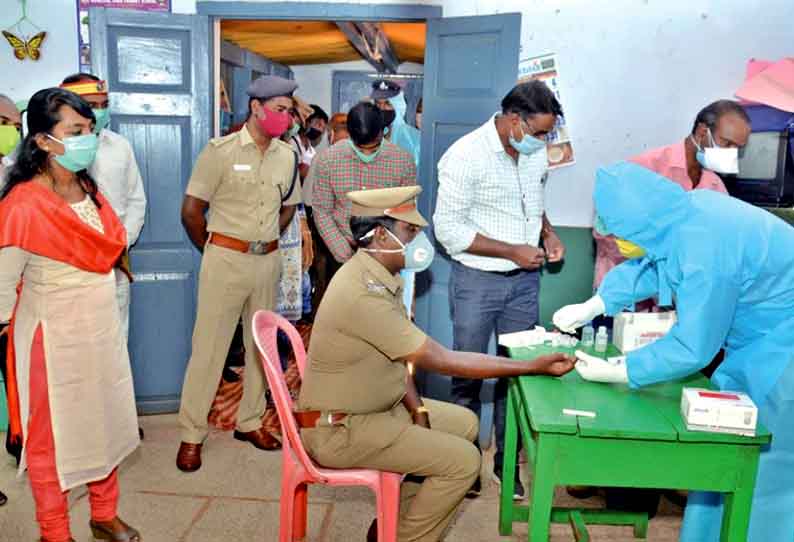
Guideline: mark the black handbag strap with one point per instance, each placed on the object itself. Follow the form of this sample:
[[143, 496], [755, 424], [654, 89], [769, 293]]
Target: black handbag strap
[[294, 179]]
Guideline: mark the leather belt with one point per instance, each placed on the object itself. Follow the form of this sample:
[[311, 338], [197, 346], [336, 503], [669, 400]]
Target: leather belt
[[252, 247], [511, 273], [310, 419]]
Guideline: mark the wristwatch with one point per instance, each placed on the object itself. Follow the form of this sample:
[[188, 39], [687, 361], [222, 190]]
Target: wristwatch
[[421, 409]]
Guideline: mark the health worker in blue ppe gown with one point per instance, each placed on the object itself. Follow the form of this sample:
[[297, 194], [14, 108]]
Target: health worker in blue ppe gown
[[389, 98], [403, 134], [729, 267]]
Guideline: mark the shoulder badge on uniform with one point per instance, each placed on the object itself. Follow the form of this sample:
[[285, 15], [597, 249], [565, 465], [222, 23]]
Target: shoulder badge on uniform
[[219, 141]]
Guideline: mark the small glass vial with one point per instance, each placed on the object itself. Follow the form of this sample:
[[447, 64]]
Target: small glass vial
[[601, 339], [588, 336]]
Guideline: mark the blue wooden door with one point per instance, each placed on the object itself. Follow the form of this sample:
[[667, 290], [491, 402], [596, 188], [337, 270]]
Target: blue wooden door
[[470, 64], [158, 69]]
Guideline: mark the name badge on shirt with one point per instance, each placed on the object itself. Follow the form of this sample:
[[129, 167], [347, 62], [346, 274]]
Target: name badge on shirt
[[375, 288], [242, 167]]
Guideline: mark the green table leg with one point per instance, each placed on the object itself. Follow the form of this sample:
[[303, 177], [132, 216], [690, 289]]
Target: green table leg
[[598, 516], [641, 527], [738, 505], [509, 467], [579, 528], [542, 489]]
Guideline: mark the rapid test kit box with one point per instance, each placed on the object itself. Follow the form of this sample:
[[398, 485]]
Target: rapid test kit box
[[719, 411], [633, 330]]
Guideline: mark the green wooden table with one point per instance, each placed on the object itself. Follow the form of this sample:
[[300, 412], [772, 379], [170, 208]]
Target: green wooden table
[[637, 439]]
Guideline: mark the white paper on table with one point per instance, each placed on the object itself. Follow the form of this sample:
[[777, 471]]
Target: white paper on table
[[519, 339], [530, 337]]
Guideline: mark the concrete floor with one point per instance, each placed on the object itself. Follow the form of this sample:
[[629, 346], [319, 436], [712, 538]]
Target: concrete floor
[[235, 497]]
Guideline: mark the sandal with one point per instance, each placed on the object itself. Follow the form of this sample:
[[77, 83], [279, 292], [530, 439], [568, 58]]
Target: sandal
[[101, 532]]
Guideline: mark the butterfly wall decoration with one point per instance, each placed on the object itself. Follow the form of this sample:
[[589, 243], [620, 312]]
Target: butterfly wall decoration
[[25, 46]]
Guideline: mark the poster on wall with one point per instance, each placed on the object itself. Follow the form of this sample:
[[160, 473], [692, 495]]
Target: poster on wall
[[82, 20], [558, 141]]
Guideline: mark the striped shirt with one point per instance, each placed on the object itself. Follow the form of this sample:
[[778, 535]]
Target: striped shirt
[[335, 172], [482, 190]]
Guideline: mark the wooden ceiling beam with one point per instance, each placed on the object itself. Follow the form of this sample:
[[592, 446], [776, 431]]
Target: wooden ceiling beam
[[371, 42]]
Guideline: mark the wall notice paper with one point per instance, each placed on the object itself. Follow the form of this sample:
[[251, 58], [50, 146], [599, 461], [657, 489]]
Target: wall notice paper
[[558, 142], [82, 20]]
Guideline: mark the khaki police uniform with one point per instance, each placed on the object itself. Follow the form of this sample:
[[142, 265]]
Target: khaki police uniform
[[360, 333], [244, 188]]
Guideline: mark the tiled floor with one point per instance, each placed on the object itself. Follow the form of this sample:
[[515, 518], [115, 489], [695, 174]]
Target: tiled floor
[[235, 497]]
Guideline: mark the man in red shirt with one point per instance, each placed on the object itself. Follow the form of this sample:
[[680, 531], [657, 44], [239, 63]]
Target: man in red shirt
[[719, 126]]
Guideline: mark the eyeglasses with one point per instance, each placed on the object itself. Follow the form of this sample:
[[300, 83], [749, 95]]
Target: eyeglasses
[[539, 134]]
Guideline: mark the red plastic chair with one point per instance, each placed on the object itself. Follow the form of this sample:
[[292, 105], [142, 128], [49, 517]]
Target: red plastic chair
[[298, 468]]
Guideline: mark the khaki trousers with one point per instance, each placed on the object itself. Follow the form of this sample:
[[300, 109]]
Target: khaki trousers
[[231, 284], [443, 455]]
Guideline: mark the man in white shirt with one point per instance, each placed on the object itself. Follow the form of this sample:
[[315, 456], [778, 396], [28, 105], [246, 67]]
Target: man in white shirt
[[490, 218], [116, 173]]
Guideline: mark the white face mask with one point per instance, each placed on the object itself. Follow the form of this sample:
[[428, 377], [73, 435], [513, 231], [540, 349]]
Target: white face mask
[[718, 159]]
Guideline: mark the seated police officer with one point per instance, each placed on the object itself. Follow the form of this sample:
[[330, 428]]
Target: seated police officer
[[359, 404]]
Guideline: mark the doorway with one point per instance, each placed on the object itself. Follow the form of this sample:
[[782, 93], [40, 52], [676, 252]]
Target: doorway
[[469, 64], [334, 63]]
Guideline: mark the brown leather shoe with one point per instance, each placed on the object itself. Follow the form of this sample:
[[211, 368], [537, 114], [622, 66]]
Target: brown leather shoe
[[120, 532], [581, 492], [259, 438], [188, 459]]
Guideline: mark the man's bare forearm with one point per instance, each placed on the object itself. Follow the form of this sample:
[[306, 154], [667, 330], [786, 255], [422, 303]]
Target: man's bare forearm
[[434, 357], [485, 246], [195, 221]]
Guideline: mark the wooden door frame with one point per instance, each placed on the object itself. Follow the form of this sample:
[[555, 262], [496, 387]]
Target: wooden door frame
[[317, 11], [314, 11]]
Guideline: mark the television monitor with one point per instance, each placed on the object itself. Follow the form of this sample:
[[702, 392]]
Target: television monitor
[[766, 163]]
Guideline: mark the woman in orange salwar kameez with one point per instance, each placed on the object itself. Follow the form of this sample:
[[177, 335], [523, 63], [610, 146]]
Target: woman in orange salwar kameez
[[71, 400]]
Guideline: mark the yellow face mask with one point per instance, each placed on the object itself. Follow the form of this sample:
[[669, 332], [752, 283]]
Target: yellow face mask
[[629, 250]]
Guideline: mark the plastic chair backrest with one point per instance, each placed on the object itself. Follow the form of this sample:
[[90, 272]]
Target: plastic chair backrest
[[266, 325]]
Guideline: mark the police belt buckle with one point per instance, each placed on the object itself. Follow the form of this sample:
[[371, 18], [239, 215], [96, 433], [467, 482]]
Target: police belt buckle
[[332, 419], [257, 247]]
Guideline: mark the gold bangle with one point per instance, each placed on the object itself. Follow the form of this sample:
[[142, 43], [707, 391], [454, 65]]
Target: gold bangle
[[420, 410]]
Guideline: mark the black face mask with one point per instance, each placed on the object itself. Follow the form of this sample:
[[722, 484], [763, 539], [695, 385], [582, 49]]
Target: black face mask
[[313, 134], [388, 116]]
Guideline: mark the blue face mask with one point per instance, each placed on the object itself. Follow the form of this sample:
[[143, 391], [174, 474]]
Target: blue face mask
[[79, 151], [528, 144], [419, 253]]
